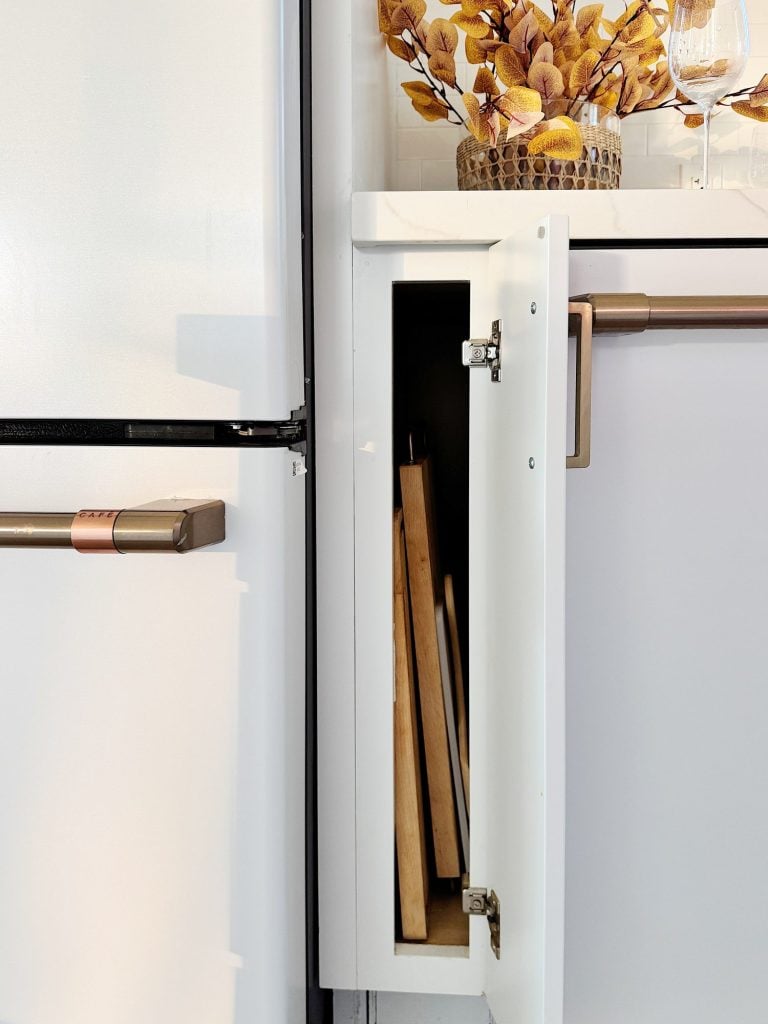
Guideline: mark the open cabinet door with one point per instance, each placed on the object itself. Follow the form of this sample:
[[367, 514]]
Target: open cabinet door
[[517, 624]]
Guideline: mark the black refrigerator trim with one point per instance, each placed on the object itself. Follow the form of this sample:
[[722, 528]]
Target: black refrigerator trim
[[157, 433], [319, 1009]]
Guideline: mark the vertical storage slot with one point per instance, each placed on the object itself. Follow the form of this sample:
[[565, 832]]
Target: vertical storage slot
[[430, 448]]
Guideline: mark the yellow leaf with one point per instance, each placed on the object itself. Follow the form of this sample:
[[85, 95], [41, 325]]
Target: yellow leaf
[[593, 41], [627, 16], [474, 51], [546, 80], [521, 100], [588, 17], [746, 109], [509, 66], [652, 50], [476, 26], [641, 27], [693, 120], [408, 15], [607, 99], [562, 143], [443, 67], [478, 128], [485, 82], [545, 23], [582, 71], [400, 48]]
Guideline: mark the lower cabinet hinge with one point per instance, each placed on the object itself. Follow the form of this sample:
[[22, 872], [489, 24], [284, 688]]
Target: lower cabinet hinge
[[479, 901], [485, 353]]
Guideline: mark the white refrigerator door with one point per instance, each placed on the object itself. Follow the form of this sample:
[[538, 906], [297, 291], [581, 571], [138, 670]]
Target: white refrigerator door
[[152, 707], [149, 210], [151, 737], [517, 623]]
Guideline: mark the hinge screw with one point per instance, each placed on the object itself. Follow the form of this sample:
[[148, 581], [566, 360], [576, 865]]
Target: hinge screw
[[531, 463], [533, 307]]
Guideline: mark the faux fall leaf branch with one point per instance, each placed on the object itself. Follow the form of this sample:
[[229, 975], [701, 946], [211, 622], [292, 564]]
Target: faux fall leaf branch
[[533, 70]]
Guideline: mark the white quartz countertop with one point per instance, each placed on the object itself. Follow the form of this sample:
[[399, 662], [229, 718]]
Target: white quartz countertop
[[402, 218]]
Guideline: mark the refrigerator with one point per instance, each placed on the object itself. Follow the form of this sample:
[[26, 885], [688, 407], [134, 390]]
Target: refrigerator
[[152, 704]]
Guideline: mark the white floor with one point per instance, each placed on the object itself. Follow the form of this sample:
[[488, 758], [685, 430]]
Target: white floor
[[396, 1008]]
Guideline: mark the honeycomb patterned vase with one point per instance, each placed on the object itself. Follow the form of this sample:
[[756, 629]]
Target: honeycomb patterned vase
[[507, 165]]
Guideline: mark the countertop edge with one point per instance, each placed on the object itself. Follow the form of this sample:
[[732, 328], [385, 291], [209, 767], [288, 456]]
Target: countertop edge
[[482, 218]]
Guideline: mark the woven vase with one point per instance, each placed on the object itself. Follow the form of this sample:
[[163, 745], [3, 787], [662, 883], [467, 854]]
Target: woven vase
[[507, 165]]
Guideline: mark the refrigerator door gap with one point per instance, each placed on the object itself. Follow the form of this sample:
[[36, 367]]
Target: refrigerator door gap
[[158, 433]]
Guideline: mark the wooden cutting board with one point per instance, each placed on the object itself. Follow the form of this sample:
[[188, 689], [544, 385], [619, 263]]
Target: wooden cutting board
[[425, 585], [458, 677], [410, 838]]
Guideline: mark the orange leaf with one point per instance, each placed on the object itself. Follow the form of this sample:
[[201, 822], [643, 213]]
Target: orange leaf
[[400, 48], [544, 53], [759, 94], [443, 67], [524, 33], [442, 35], [408, 15], [476, 26], [693, 120]]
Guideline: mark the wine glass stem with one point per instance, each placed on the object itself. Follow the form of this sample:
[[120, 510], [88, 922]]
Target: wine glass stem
[[707, 126]]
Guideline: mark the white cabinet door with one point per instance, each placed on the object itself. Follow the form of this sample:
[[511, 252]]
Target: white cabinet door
[[517, 623], [516, 637]]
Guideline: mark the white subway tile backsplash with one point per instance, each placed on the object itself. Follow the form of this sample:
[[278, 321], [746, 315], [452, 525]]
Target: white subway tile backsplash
[[437, 142], [408, 176], [634, 139], [439, 175]]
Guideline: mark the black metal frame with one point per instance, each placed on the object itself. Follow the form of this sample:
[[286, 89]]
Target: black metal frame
[[157, 433], [319, 1001]]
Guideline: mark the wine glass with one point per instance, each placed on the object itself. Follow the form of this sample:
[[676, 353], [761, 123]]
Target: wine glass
[[708, 50]]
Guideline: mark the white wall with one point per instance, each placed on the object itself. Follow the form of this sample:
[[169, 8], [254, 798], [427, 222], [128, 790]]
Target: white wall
[[658, 151]]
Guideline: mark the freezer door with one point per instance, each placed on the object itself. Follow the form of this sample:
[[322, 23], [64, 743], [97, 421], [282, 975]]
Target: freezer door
[[517, 624], [149, 210], [151, 734]]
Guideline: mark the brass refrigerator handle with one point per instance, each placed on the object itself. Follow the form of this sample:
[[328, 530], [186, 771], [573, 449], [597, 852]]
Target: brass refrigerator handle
[[633, 313], [174, 525], [580, 321]]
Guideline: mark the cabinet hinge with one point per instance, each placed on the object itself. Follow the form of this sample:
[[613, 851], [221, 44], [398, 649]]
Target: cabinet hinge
[[479, 901], [485, 352]]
